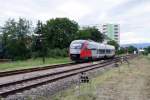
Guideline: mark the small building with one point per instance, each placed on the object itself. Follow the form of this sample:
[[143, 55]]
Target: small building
[[141, 50]]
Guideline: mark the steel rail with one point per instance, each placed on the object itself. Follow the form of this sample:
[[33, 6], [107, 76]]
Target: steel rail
[[87, 68], [21, 71], [46, 75], [61, 76], [10, 92]]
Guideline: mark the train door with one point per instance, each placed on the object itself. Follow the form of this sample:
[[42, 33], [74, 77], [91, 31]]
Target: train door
[[93, 49]]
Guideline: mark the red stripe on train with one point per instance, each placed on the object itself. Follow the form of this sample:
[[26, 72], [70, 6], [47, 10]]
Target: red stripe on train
[[85, 52]]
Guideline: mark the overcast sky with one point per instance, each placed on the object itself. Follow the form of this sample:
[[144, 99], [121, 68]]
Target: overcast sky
[[132, 15]]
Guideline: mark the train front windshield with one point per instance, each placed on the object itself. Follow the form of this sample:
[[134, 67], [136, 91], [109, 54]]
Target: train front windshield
[[76, 46]]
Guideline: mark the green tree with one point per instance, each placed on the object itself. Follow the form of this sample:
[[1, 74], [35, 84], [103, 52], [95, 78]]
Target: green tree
[[37, 40], [8, 29], [147, 50], [121, 51], [16, 39], [1, 49], [60, 32], [91, 33], [131, 49], [39, 46], [114, 43]]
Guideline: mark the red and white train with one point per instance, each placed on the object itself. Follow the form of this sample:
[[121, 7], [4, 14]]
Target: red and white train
[[81, 50]]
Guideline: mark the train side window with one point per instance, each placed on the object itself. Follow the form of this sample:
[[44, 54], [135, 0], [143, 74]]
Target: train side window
[[97, 51], [101, 51], [104, 50]]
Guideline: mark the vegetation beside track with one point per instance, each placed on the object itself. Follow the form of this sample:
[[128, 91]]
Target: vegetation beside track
[[30, 63], [121, 83]]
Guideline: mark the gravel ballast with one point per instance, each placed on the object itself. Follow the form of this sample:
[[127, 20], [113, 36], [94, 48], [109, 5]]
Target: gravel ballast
[[45, 91]]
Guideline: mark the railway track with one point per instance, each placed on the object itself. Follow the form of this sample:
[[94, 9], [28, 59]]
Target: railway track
[[25, 84], [15, 72], [21, 71]]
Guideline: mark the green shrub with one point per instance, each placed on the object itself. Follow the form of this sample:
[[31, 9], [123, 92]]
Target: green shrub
[[57, 52]]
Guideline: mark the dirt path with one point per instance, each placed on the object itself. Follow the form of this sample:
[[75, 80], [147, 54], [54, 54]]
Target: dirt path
[[132, 83]]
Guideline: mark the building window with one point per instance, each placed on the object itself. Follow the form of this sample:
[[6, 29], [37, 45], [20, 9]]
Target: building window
[[116, 25], [116, 35], [104, 28]]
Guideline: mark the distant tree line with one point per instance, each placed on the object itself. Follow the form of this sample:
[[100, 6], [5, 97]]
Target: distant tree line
[[146, 50], [127, 50], [19, 40]]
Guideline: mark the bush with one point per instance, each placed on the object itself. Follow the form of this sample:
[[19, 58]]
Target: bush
[[36, 54], [144, 53], [58, 52], [121, 51]]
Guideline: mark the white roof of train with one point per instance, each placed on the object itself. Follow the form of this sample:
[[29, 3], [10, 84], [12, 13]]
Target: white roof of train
[[78, 41], [110, 46], [94, 43]]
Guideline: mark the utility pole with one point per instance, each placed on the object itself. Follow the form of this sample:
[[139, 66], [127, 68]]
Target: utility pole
[[41, 41]]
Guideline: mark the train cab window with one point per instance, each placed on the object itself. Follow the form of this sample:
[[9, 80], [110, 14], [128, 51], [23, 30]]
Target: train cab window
[[108, 51], [76, 45]]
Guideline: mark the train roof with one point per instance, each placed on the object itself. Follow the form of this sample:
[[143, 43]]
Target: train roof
[[94, 43], [78, 41], [110, 46]]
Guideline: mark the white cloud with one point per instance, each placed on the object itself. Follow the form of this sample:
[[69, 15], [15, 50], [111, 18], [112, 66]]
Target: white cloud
[[74, 9], [131, 37], [132, 15]]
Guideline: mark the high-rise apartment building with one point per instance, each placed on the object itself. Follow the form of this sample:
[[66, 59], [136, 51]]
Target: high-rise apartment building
[[112, 31]]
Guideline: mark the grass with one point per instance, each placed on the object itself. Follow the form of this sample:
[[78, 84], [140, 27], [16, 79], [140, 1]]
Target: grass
[[31, 63], [88, 92], [149, 55]]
